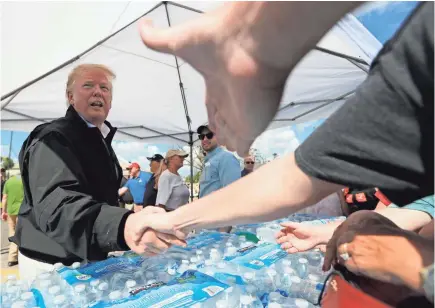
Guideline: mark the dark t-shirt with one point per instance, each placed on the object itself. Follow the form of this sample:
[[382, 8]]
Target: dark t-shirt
[[384, 135], [150, 195]]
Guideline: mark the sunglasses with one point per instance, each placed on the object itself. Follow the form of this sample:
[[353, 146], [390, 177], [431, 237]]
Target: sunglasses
[[249, 162], [208, 135]]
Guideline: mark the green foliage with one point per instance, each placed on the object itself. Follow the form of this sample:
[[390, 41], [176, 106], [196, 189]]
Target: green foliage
[[7, 163]]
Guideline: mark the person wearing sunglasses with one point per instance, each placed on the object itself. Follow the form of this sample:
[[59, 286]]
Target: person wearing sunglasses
[[221, 167], [249, 162]]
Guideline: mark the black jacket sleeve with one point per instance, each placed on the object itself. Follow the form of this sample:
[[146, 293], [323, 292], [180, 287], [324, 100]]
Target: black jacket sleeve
[[63, 210]]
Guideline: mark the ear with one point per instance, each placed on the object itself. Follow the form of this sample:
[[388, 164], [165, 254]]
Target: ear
[[70, 97]]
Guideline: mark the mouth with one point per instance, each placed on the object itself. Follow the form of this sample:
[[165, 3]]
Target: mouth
[[97, 104]]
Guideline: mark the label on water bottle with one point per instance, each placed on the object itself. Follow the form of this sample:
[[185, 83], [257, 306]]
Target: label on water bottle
[[190, 288], [204, 239], [229, 278], [100, 269], [257, 256]]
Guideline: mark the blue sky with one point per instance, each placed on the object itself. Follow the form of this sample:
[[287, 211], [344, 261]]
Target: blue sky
[[382, 19]]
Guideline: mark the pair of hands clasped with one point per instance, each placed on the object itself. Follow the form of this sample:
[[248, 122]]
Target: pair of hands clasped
[[151, 232]]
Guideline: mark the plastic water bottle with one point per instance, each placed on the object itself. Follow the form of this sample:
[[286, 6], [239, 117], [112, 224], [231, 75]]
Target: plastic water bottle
[[286, 280], [266, 234], [53, 291], [75, 265], [11, 280], [129, 285], [230, 251], [268, 280], [310, 290], [19, 304], [94, 286], [295, 286], [60, 301], [200, 255], [295, 303], [80, 297], [103, 290], [274, 305], [314, 258], [12, 294], [314, 278], [249, 278], [29, 299], [215, 255], [139, 276], [302, 268], [183, 267], [275, 297], [115, 295], [246, 301]]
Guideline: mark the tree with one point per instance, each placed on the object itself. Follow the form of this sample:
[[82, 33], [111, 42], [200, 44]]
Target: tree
[[7, 163], [196, 178], [198, 158]]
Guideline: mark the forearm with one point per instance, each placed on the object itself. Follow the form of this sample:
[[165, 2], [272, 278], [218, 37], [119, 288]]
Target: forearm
[[410, 220], [277, 25], [251, 199], [4, 204], [326, 231]]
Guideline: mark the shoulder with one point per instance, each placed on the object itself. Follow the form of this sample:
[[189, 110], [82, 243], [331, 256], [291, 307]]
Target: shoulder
[[229, 157], [146, 175]]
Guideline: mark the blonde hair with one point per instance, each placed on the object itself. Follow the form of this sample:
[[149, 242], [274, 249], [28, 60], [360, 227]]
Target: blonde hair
[[163, 166], [80, 69]]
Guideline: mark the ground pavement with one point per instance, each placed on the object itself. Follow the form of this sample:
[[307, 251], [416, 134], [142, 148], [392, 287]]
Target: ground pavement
[[5, 270]]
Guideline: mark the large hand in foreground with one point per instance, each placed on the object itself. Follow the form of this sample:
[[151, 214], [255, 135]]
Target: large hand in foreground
[[371, 245], [243, 86], [142, 239], [296, 237]]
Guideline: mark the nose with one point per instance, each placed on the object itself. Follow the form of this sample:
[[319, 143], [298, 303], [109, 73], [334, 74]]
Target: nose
[[98, 92]]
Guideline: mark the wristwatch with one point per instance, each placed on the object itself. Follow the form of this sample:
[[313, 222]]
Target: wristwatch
[[427, 278]]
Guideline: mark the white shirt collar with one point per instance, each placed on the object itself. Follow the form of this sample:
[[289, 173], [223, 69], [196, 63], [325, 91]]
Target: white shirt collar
[[105, 130]]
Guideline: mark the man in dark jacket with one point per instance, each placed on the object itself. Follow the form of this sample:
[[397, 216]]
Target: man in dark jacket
[[150, 195], [71, 178]]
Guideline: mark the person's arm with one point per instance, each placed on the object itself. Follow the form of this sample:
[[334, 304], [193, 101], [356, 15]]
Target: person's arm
[[267, 200], [62, 208], [5, 203], [164, 190], [4, 214], [229, 170], [122, 190], [411, 220]]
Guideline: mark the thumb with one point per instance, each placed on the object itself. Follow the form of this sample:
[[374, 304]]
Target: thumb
[[163, 40]]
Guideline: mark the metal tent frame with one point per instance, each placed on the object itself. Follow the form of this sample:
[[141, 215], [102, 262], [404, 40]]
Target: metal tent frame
[[7, 98]]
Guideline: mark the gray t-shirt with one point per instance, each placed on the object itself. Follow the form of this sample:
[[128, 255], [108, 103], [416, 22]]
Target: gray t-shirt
[[172, 192]]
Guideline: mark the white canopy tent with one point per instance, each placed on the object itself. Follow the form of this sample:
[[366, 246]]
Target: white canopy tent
[[157, 98]]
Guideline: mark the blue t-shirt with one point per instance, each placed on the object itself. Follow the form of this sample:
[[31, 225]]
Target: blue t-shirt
[[425, 204], [136, 186], [221, 168]]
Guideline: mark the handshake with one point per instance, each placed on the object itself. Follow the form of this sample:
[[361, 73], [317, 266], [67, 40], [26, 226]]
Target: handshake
[[151, 232]]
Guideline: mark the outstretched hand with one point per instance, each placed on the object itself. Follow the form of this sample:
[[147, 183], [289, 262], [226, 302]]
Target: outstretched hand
[[296, 237], [243, 92]]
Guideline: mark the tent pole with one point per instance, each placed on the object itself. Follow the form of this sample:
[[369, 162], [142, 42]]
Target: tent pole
[[191, 164], [186, 110]]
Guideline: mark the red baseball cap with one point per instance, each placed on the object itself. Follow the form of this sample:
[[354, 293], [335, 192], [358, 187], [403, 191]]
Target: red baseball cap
[[133, 165]]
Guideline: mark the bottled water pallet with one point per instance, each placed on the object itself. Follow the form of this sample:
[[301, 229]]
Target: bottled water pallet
[[214, 270]]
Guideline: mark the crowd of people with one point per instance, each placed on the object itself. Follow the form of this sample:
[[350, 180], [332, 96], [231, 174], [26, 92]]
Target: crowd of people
[[374, 155]]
